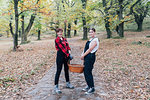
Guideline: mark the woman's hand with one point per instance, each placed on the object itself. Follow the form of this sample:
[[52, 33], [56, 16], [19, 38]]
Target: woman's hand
[[82, 57]]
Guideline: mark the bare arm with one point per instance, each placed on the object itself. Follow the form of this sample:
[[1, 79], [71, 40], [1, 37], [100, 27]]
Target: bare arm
[[93, 45]]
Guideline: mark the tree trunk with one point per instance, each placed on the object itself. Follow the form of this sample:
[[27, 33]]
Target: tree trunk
[[121, 29], [39, 34], [140, 24], [69, 30], [7, 33], [65, 29], [139, 21], [107, 26], [75, 31], [29, 27], [120, 14], [22, 27], [84, 20], [109, 33], [15, 37]]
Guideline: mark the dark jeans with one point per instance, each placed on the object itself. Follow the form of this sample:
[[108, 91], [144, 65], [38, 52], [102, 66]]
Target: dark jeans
[[60, 60], [89, 61]]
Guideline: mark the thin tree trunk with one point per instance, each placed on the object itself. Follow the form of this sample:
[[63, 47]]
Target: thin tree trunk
[[65, 28], [7, 33], [23, 34], [39, 34], [29, 27], [69, 30], [75, 31], [84, 20], [107, 26], [15, 36]]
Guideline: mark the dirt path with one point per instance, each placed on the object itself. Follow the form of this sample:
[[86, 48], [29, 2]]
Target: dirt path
[[43, 90]]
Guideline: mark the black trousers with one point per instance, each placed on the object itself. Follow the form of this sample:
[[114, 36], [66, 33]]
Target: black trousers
[[60, 60], [89, 61]]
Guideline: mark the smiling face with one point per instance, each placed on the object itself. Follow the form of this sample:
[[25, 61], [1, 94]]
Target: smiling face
[[60, 34], [91, 34]]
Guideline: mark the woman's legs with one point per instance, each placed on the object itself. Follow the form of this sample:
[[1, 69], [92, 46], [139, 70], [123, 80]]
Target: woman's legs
[[59, 68], [88, 74], [59, 63], [66, 71], [88, 67]]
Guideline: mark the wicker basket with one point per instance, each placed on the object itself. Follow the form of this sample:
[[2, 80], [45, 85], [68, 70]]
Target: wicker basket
[[76, 68]]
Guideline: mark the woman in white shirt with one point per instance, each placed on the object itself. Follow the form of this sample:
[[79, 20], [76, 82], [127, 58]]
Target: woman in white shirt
[[89, 57]]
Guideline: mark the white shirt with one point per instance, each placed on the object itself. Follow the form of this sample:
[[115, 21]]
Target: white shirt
[[97, 46]]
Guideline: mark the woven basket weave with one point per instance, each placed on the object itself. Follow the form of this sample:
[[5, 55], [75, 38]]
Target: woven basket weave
[[76, 68]]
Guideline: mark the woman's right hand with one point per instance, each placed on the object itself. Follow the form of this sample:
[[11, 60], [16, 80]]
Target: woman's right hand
[[82, 57]]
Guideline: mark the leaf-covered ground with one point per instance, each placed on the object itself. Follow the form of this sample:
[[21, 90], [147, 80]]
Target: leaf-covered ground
[[123, 66], [21, 69]]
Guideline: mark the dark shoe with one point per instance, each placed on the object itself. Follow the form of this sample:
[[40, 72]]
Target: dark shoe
[[90, 91], [70, 86], [86, 89], [56, 90]]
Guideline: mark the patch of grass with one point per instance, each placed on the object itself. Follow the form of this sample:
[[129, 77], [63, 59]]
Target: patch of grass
[[108, 69], [131, 66], [117, 37], [136, 43], [122, 69], [29, 49], [148, 36], [147, 44], [7, 79], [33, 72], [119, 63], [1, 70], [129, 53], [26, 42]]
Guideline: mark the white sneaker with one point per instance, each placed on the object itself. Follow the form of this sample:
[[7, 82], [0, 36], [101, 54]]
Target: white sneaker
[[86, 89], [90, 91], [69, 85], [56, 90]]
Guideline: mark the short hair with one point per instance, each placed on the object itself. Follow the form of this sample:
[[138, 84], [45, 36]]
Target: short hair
[[93, 29], [59, 30]]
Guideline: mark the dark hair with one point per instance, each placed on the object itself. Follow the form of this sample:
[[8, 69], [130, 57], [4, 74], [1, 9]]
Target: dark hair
[[93, 29], [59, 30]]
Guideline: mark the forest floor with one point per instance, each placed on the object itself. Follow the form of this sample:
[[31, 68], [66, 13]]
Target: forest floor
[[121, 72]]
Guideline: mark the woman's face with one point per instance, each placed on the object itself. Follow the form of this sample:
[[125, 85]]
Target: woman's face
[[91, 33], [60, 33]]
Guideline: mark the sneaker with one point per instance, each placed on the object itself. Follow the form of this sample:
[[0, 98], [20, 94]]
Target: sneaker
[[56, 90], [90, 91], [86, 89], [69, 85]]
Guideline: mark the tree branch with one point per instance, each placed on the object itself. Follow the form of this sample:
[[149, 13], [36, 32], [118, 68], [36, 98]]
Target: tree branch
[[131, 9], [11, 29]]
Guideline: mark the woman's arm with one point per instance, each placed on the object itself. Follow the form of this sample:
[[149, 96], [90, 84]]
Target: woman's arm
[[93, 45]]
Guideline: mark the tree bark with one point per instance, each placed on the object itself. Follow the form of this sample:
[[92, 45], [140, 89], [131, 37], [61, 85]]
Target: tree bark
[[139, 21], [75, 31], [107, 26], [7, 33], [22, 33], [65, 29], [109, 33], [120, 15], [69, 30], [15, 36], [29, 27], [84, 20], [39, 34]]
